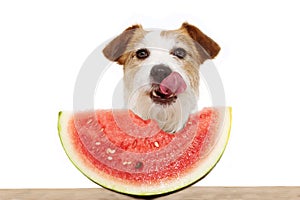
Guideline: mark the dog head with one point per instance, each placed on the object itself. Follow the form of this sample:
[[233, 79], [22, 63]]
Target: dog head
[[161, 71]]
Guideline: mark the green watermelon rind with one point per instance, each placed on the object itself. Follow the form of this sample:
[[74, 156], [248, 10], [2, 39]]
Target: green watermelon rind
[[66, 151], [78, 163]]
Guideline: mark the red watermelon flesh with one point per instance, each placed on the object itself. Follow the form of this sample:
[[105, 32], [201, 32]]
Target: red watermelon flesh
[[120, 151]]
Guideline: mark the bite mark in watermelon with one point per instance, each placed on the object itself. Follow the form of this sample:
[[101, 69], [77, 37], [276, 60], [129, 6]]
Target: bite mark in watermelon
[[119, 151]]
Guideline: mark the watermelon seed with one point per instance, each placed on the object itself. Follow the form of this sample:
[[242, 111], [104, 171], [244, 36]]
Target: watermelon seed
[[109, 158], [109, 150], [126, 163], [97, 143], [89, 121], [156, 144], [138, 165], [189, 123]]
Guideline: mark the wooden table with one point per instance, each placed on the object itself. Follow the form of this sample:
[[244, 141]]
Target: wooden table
[[192, 193]]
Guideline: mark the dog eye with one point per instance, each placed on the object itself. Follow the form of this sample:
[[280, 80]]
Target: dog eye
[[179, 52], [142, 53]]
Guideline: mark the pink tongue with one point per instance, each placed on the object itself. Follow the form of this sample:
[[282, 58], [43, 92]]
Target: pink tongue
[[172, 84]]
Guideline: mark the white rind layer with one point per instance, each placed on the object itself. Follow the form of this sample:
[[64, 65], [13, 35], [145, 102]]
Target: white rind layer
[[86, 167]]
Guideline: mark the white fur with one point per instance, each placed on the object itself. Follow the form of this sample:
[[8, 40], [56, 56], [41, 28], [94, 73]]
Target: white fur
[[153, 39]]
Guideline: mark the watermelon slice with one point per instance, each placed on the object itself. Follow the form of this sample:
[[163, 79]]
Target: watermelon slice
[[119, 151]]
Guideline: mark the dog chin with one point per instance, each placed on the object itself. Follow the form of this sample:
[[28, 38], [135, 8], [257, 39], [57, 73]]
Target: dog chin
[[171, 113]]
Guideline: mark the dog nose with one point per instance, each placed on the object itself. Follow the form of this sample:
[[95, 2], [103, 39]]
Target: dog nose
[[159, 73]]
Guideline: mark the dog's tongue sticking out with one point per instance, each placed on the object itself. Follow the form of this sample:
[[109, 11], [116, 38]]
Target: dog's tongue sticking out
[[172, 84]]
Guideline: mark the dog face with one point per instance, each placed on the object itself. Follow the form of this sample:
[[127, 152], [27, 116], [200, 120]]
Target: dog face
[[161, 71]]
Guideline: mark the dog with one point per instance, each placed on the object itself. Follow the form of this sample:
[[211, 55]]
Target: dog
[[161, 71]]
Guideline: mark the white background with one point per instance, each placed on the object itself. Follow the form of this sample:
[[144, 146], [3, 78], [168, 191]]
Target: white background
[[43, 45]]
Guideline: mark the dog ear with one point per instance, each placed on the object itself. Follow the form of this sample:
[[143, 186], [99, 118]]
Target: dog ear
[[202, 41], [116, 48]]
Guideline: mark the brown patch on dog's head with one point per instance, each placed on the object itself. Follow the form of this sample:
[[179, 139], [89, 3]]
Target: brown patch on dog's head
[[116, 49], [206, 47]]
